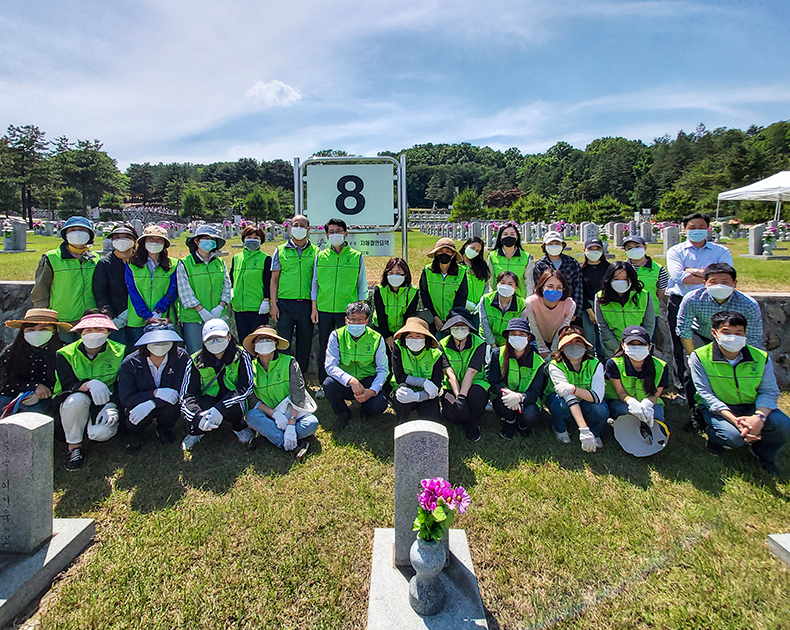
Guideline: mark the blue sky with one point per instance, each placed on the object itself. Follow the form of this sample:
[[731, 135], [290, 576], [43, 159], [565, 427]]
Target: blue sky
[[202, 81]]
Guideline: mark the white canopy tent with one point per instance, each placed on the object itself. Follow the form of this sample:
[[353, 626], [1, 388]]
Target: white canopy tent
[[774, 188]]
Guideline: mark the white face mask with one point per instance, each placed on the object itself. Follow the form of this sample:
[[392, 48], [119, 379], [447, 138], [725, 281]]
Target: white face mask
[[731, 343], [265, 346], [636, 253], [78, 238], [94, 340], [336, 240], [554, 250], [122, 244], [252, 244], [517, 343], [415, 345], [574, 351], [471, 253], [459, 332], [395, 280], [154, 248], [298, 233], [593, 254], [38, 338], [217, 346], [621, 286], [636, 353], [505, 290], [720, 292], [159, 349]]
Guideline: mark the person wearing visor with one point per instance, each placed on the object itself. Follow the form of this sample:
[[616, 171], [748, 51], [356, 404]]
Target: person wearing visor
[[109, 284], [64, 276], [356, 367], [149, 384], [419, 367], [204, 289], [549, 310], [250, 275], [284, 411], [576, 390], [478, 275], [517, 375], [508, 255], [291, 282], [27, 366], [151, 281], [85, 393], [499, 307], [216, 385], [594, 267], [443, 282], [394, 300], [622, 302], [465, 396], [737, 391], [652, 275], [553, 246]]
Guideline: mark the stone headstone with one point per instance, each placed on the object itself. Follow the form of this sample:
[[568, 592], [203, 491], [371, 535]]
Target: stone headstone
[[489, 239], [588, 230], [671, 237], [632, 227], [725, 228], [49, 228], [20, 235], [137, 225], [617, 233], [526, 232], [646, 231], [756, 239]]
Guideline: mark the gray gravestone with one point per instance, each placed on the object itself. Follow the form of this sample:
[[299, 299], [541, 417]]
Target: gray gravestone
[[526, 232], [489, 239], [725, 228], [49, 228], [20, 236], [646, 230], [477, 229], [670, 237], [617, 233], [632, 228], [138, 226], [756, 239]]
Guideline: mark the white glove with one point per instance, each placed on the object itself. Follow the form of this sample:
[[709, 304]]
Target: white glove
[[205, 314], [100, 393], [137, 414], [280, 419], [430, 388], [649, 411], [264, 308], [512, 400], [105, 426], [108, 415], [216, 312], [587, 439], [635, 409], [406, 395], [289, 440], [168, 394], [210, 419], [121, 320], [472, 307], [563, 389]]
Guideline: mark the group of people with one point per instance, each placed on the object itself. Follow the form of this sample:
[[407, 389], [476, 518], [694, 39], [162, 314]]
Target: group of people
[[520, 334]]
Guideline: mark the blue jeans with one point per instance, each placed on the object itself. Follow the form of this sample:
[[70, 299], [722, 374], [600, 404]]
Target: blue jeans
[[193, 336], [775, 433], [618, 408], [42, 406], [594, 415], [263, 424]]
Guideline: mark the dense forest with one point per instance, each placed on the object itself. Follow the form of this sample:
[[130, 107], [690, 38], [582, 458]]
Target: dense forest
[[608, 179]]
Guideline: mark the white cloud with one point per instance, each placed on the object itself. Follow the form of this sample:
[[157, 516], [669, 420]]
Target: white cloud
[[274, 93]]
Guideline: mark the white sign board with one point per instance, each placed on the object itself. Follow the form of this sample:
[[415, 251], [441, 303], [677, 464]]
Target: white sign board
[[369, 243], [360, 194]]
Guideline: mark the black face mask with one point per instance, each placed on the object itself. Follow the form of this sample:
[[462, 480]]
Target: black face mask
[[444, 258], [509, 241]]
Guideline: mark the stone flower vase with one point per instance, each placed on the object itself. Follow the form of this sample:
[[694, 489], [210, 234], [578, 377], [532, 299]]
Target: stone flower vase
[[8, 243], [426, 590]]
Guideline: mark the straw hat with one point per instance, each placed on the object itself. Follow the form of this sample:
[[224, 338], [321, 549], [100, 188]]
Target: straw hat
[[264, 331], [449, 244], [94, 321], [39, 316], [418, 325], [154, 230]]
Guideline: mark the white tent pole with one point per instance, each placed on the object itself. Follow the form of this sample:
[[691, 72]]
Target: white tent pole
[[718, 203], [778, 213]]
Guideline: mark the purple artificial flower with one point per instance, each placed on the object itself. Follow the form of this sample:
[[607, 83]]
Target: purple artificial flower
[[461, 500]]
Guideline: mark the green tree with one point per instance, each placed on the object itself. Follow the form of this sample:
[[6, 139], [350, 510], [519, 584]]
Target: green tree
[[90, 170], [192, 204], [174, 192], [70, 202], [25, 152], [111, 201], [433, 191], [467, 205], [141, 182], [256, 205]]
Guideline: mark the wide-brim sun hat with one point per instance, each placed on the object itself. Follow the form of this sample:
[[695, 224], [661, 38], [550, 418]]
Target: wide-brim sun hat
[[418, 325], [572, 337], [548, 237], [154, 230], [628, 435], [459, 315], [264, 331], [39, 316], [123, 230], [78, 222], [97, 320], [449, 244], [517, 324], [215, 328], [206, 230], [158, 333]]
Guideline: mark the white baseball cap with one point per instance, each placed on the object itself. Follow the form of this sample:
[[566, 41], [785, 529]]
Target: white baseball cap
[[215, 328]]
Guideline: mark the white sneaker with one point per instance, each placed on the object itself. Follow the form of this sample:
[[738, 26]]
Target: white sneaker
[[245, 435], [320, 393], [598, 444], [563, 437], [190, 441]]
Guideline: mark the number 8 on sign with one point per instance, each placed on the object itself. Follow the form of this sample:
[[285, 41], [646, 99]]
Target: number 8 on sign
[[354, 193]]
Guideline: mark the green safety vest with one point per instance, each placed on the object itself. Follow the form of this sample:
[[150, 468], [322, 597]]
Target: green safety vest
[[582, 379], [358, 356], [151, 288], [395, 305], [420, 365], [476, 286], [733, 385], [337, 278], [71, 293], [497, 319], [230, 375], [296, 271], [104, 367], [632, 385], [619, 317], [443, 289], [519, 379], [649, 277], [272, 386], [206, 280], [517, 264], [248, 280], [460, 361]]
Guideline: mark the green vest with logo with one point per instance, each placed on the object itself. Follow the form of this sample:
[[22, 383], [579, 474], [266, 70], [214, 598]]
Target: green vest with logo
[[230, 375], [581, 379], [733, 385], [649, 277], [206, 280], [337, 278], [151, 288], [358, 356], [248, 280], [443, 289], [517, 264], [272, 386], [395, 305], [419, 365], [296, 272], [621, 316], [632, 385], [498, 320], [104, 367], [71, 293], [520, 377], [460, 361], [475, 285]]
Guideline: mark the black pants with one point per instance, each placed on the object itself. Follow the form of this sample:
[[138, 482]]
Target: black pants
[[426, 410], [528, 415], [234, 415], [469, 415], [166, 417], [679, 353], [295, 316], [247, 321], [337, 395], [327, 322]]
